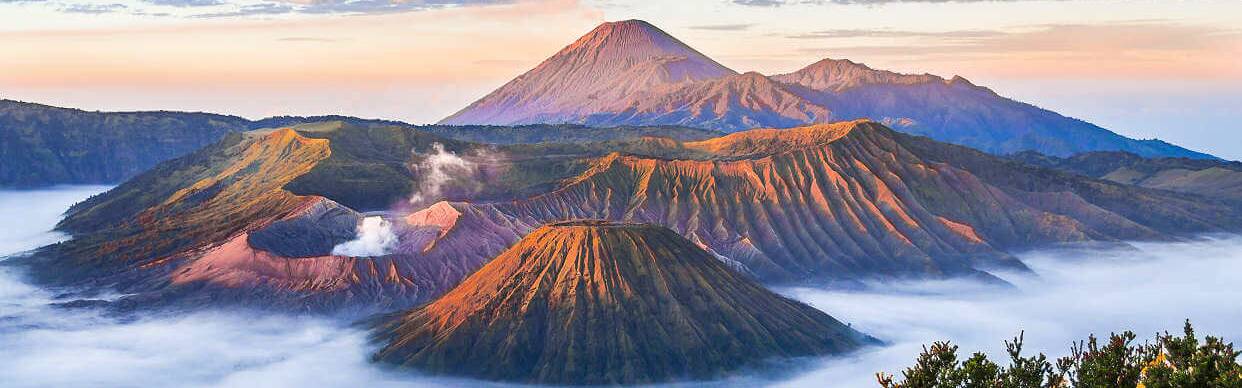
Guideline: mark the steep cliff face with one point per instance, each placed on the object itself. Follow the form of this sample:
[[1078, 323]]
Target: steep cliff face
[[602, 303]]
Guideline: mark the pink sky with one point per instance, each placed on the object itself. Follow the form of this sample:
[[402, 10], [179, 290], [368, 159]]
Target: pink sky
[[1145, 69]]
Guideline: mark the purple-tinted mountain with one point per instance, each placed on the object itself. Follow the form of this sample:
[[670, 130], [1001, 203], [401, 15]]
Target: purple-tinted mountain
[[957, 111], [632, 73]]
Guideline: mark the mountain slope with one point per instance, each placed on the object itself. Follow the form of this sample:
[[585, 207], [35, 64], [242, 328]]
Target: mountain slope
[[1212, 178], [957, 111], [608, 64], [600, 303], [850, 201], [252, 219], [42, 145], [731, 103]]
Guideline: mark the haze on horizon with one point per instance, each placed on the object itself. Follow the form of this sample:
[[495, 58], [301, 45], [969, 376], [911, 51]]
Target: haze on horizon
[[1143, 69]]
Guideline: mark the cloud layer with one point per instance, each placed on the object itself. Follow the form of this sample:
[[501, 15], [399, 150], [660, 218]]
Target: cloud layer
[[1077, 292]]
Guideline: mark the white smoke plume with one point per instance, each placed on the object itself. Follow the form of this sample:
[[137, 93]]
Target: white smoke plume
[[436, 171], [374, 238]]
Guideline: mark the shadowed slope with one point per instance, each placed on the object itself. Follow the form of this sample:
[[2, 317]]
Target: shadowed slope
[[44, 145], [599, 303], [1212, 178]]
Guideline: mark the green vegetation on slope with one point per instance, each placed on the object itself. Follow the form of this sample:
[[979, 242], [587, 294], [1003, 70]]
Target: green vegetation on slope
[[42, 145]]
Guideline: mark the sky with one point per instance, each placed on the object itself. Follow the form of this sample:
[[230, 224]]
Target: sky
[[1146, 69]]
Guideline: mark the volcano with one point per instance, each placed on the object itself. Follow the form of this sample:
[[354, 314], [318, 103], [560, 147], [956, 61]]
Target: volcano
[[594, 302], [632, 73]]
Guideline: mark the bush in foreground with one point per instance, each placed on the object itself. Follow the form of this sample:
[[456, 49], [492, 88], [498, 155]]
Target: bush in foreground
[[1171, 361]]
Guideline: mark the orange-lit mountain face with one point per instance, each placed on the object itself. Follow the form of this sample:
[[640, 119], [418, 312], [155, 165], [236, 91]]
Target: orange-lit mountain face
[[632, 73], [851, 201], [830, 203], [605, 303]]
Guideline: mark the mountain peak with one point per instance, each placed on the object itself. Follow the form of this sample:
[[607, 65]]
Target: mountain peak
[[631, 41], [671, 311], [769, 141], [835, 75], [613, 62]]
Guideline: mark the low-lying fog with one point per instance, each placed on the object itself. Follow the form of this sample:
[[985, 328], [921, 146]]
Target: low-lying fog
[[1150, 289]]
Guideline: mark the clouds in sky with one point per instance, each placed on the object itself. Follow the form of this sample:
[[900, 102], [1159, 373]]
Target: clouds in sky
[[91, 8], [186, 3], [777, 3], [723, 27], [245, 8]]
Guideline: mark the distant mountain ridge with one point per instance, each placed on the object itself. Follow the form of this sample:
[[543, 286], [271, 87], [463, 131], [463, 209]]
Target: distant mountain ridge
[[613, 86], [1212, 178], [42, 145], [958, 111]]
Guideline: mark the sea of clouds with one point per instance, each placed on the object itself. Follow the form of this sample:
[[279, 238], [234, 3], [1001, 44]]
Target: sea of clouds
[[1150, 288]]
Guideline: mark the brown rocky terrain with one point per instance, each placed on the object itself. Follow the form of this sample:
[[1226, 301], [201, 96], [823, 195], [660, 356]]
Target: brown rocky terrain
[[253, 219], [591, 302]]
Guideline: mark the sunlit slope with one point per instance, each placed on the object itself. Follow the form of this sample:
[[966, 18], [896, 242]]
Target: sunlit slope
[[254, 218], [855, 200], [600, 303]]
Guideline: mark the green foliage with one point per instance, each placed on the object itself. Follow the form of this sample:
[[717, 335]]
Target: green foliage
[[1171, 361]]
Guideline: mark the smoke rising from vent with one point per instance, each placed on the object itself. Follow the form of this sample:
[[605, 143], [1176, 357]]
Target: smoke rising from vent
[[375, 238], [438, 170]]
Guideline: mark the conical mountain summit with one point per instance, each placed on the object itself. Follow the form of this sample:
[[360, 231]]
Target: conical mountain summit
[[594, 302]]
